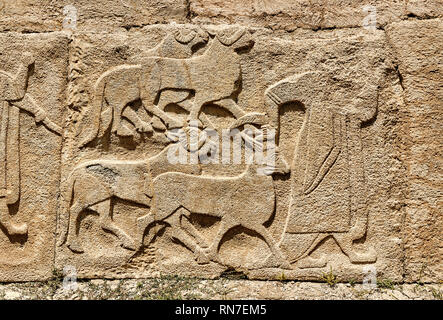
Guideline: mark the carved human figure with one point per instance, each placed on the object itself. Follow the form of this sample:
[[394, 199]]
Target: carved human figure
[[329, 134], [13, 98]]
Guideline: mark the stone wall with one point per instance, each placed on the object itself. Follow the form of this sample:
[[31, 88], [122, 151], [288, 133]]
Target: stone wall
[[132, 131]]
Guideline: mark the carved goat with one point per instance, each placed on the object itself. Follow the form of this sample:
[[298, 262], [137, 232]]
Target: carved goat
[[92, 185], [121, 85], [228, 198], [212, 77]]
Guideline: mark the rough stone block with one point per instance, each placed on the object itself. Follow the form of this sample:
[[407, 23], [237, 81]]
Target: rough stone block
[[98, 15], [419, 53], [292, 14], [425, 9]]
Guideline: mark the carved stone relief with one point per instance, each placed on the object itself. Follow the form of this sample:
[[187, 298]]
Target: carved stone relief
[[148, 188], [30, 138]]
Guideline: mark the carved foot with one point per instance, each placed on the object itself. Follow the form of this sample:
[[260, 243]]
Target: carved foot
[[75, 246], [368, 257], [12, 229], [310, 262], [16, 229]]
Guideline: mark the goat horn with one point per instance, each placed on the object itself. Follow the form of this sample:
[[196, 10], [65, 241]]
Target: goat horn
[[183, 37], [228, 41]]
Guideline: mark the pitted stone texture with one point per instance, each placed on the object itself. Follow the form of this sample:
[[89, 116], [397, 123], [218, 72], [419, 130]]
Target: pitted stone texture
[[292, 14], [419, 53], [102, 15], [32, 90], [126, 211], [425, 9], [220, 289]]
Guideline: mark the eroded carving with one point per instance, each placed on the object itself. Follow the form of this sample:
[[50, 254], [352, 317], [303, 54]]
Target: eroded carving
[[121, 85], [330, 134], [213, 76], [94, 184], [175, 85], [228, 198], [13, 98]]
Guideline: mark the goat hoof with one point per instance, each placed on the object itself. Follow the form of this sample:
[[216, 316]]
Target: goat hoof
[[144, 128], [143, 222], [124, 131], [174, 124], [75, 247], [285, 265], [28, 58], [309, 262], [158, 124], [194, 123], [129, 244], [202, 243]]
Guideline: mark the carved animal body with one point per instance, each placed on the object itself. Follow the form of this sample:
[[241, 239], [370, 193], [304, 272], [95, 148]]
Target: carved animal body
[[326, 125], [179, 44], [212, 77], [122, 85], [93, 184], [228, 198]]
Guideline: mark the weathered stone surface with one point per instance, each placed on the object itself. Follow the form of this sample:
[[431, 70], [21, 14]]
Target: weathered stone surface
[[292, 14], [424, 9], [101, 15], [419, 53], [328, 203], [32, 91], [125, 140], [169, 288]]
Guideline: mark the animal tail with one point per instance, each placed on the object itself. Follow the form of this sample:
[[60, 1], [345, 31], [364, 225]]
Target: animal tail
[[91, 120], [66, 198]]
